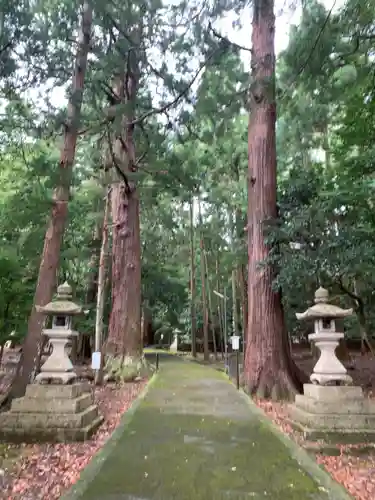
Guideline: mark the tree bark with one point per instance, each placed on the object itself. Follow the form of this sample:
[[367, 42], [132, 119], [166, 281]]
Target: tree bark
[[125, 336], [268, 369], [52, 244], [193, 317]]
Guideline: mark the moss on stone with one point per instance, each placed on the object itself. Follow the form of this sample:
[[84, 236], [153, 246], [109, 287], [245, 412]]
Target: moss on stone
[[127, 369]]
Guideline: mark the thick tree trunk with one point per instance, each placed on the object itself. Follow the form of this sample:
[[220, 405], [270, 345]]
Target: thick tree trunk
[[52, 244], [125, 336], [268, 368], [193, 317]]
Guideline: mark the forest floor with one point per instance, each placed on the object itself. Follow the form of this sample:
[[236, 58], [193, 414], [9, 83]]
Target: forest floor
[[194, 436], [45, 471]]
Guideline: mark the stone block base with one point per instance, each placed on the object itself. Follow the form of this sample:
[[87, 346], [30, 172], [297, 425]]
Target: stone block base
[[334, 414], [51, 413], [342, 436], [336, 450], [30, 435]]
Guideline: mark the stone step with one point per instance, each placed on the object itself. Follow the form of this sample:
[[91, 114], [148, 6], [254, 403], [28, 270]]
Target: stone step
[[333, 421], [54, 405], [45, 391], [336, 450], [49, 435], [29, 421], [350, 407], [342, 436]]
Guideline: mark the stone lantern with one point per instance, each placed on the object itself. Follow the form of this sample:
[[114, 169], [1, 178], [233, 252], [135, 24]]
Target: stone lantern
[[328, 369], [64, 409], [58, 367], [331, 409]]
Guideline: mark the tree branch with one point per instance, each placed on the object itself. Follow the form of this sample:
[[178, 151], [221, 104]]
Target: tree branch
[[348, 292], [226, 40], [312, 50], [112, 111]]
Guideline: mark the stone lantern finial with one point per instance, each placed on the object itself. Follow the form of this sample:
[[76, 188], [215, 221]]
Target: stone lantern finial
[[321, 296], [64, 291]]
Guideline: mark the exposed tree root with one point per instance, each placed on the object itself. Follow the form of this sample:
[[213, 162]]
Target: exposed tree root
[[274, 386], [125, 368]]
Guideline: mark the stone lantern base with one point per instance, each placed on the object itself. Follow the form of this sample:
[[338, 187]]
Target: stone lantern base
[[334, 414], [51, 413]]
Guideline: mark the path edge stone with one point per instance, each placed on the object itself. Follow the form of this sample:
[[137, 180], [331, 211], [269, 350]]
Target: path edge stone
[[91, 470], [334, 490]]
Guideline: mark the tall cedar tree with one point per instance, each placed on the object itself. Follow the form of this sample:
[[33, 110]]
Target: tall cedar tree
[[49, 263], [124, 335], [268, 367]]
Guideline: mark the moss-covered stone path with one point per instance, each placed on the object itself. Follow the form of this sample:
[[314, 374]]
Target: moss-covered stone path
[[194, 437]]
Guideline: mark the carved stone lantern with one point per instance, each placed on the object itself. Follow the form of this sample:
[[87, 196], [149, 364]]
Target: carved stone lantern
[[58, 367], [328, 370]]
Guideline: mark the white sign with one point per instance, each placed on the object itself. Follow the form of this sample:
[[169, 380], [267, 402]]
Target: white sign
[[235, 342], [95, 360]]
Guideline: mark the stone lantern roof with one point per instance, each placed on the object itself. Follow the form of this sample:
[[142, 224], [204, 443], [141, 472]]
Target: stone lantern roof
[[322, 308], [62, 305]]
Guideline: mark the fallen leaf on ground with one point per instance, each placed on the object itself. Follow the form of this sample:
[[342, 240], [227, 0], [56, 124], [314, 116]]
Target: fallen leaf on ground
[[46, 471], [356, 474]]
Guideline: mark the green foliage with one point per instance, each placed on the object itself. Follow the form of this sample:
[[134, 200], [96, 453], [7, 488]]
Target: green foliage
[[191, 143], [326, 227]]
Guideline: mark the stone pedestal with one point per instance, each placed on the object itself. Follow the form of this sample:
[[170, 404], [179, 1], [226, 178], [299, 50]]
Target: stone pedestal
[[58, 367], [334, 414], [329, 368], [51, 413]]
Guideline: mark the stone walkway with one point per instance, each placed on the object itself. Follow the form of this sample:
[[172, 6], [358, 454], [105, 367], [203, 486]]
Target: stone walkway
[[194, 437]]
